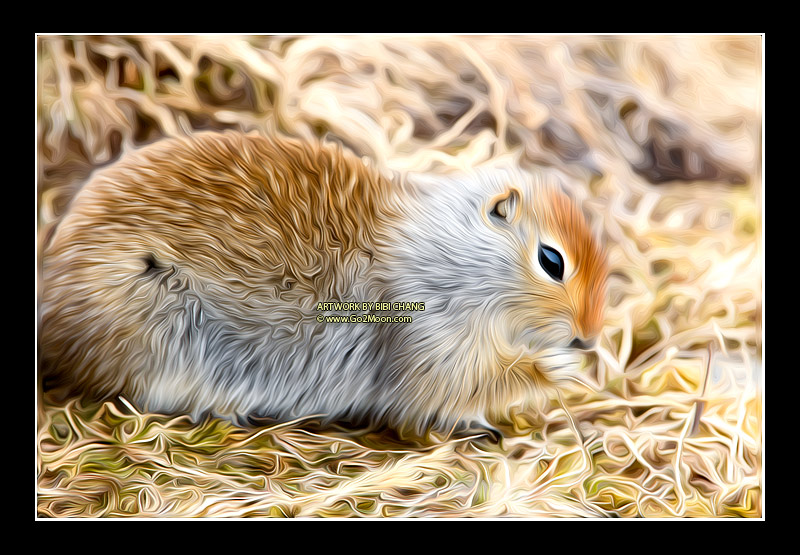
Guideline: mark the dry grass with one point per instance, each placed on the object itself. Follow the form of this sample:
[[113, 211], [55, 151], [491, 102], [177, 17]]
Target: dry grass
[[665, 132]]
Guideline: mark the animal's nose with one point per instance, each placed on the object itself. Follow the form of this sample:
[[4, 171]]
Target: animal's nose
[[582, 344]]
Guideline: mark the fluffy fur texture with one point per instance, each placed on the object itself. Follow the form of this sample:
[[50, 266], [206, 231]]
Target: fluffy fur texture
[[187, 276]]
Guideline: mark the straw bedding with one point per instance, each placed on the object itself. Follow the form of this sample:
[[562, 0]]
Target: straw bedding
[[664, 133]]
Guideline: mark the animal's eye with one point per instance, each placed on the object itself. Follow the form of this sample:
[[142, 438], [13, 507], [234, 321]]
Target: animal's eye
[[504, 208], [551, 262]]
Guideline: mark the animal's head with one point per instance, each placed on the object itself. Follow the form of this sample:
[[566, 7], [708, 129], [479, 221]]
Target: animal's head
[[510, 273]]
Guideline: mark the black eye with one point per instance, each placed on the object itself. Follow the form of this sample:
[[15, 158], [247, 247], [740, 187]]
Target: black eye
[[551, 262]]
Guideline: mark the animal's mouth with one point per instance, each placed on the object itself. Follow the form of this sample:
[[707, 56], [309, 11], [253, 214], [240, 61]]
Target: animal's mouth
[[561, 365]]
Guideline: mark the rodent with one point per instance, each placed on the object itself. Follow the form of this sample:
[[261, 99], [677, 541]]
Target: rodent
[[186, 277]]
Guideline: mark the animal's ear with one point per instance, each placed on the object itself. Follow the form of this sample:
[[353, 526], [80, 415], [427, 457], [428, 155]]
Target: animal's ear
[[505, 207]]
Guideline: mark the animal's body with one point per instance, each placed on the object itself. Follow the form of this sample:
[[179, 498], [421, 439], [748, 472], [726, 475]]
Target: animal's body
[[188, 275]]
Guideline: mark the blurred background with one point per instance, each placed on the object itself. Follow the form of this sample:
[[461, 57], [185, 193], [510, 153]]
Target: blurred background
[[662, 135]]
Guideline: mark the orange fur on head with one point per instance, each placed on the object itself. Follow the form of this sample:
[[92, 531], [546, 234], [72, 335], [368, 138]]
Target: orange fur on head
[[561, 217]]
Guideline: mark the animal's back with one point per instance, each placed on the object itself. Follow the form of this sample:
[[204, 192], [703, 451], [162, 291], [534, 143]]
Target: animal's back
[[183, 274]]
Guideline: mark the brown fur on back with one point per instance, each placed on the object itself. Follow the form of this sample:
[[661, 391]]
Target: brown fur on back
[[241, 211]]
